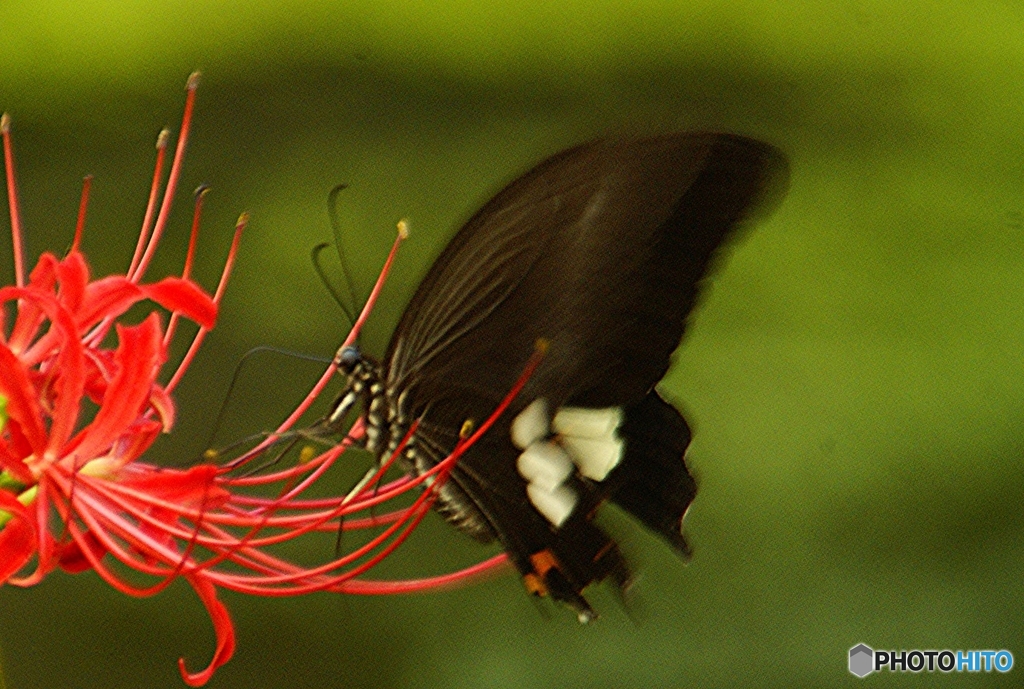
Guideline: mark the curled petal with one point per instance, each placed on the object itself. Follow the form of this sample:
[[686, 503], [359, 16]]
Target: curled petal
[[44, 275], [137, 440], [111, 296], [164, 407], [17, 537], [223, 628], [184, 297]]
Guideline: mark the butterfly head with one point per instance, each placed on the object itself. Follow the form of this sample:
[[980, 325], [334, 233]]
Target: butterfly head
[[364, 385]]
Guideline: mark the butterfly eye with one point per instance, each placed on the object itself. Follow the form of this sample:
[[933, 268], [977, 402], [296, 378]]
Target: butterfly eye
[[348, 358]]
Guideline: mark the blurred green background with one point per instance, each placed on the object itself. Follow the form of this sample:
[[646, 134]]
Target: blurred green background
[[854, 377]]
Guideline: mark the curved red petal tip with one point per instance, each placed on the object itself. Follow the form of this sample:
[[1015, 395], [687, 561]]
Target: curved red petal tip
[[72, 558], [185, 297], [22, 404], [73, 273], [222, 626], [17, 537]]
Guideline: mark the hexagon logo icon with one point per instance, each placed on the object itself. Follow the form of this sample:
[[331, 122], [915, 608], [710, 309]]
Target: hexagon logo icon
[[862, 660]]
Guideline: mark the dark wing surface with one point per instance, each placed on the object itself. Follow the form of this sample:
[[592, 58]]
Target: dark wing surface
[[601, 251]]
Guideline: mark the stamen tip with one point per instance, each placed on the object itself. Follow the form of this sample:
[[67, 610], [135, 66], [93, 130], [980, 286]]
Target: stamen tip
[[541, 345], [5, 123], [306, 454], [163, 137], [193, 81], [201, 191], [211, 455], [468, 426], [403, 228], [242, 221]]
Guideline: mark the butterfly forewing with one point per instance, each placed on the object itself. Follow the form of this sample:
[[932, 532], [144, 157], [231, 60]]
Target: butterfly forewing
[[584, 250]]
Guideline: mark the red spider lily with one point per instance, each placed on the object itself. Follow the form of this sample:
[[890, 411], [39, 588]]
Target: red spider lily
[[74, 493]]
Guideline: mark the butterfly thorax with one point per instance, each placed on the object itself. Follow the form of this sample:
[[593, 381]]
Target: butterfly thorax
[[384, 414]]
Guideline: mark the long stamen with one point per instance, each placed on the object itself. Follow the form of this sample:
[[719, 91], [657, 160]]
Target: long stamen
[[345, 581], [12, 201], [193, 349], [83, 205], [186, 272], [274, 573], [172, 180], [403, 234], [154, 193]]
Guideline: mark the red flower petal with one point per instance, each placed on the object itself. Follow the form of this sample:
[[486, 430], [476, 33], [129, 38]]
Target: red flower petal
[[223, 628], [17, 537], [194, 486], [113, 295], [138, 439], [73, 274], [71, 557], [22, 404], [69, 381], [185, 297], [12, 463], [164, 407], [107, 297], [99, 371], [30, 315], [139, 356], [18, 444]]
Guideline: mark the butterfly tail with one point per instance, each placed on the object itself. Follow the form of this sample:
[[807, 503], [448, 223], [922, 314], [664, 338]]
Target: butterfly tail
[[652, 482]]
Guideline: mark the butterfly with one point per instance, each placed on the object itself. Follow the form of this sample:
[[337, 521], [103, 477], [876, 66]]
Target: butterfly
[[600, 251]]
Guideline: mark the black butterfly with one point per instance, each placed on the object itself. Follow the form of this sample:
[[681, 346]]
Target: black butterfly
[[600, 250]]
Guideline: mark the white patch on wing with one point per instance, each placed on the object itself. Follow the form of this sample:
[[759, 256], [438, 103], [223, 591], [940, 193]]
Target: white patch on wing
[[587, 423], [545, 465], [591, 438], [531, 424], [555, 505], [594, 457], [588, 441]]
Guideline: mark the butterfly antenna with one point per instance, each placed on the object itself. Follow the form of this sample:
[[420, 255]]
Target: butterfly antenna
[[332, 211], [318, 267], [273, 461], [222, 412], [216, 454]]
